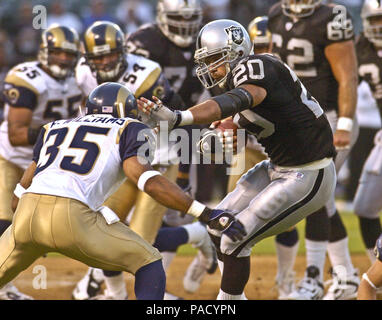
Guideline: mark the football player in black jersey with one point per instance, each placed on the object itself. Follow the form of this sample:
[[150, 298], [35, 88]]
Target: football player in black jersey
[[317, 42], [287, 242], [267, 99], [367, 200], [171, 42]]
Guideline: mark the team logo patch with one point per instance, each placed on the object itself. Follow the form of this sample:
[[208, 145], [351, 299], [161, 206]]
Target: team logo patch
[[223, 221], [237, 34], [299, 175], [159, 92], [107, 109], [288, 26], [13, 95]]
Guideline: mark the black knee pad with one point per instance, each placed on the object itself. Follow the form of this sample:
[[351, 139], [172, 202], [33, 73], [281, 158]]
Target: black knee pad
[[370, 231], [317, 227], [235, 274], [337, 228], [288, 238]]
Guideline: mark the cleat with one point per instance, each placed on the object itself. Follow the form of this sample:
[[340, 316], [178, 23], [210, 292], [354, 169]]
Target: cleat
[[108, 296], [285, 285], [89, 286], [207, 249], [170, 296], [195, 273], [343, 287], [10, 292], [309, 288]]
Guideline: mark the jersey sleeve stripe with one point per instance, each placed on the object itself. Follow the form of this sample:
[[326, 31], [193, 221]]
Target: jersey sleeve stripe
[[17, 81], [120, 131], [149, 82]]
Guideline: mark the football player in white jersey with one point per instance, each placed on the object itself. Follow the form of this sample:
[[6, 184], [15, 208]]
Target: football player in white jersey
[[77, 164], [35, 93], [105, 60]]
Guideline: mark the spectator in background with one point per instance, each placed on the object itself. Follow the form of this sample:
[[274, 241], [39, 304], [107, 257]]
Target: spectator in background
[[134, 13], [242, 11], [58, 14], [5, 64], [25, 37], [215, 9], [262, 7], [98, 11]]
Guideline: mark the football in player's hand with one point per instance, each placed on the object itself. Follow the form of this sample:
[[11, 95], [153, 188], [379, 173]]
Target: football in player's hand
[[227, 124], [221, 141]]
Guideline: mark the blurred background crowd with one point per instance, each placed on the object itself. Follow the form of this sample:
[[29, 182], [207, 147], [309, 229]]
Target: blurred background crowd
[[19, 42]]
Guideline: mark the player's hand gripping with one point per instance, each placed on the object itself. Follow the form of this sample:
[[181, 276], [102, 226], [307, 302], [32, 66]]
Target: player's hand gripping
[[341, 139], [157, 111], [225, 222]]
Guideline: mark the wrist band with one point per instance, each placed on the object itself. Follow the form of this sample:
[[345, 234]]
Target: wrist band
[[196, 208], [146, 176], [187, 118], [345, 124], [365, 277], [19, 190]]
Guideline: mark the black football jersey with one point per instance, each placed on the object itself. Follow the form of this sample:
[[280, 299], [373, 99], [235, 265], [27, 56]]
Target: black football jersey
[[289, 123], [177, 63], [301, 44], [370, 67]]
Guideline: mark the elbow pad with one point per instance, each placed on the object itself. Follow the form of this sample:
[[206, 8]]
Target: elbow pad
[[233, 101]]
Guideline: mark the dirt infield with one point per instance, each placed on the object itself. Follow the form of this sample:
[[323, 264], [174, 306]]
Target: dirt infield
[[63, 273]]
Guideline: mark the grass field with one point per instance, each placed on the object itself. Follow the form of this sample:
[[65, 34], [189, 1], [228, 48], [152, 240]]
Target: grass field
[[267, 246]]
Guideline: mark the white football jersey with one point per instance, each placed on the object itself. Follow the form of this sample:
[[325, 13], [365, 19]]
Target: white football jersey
[[28, 86], [82, 158], [139, 77]]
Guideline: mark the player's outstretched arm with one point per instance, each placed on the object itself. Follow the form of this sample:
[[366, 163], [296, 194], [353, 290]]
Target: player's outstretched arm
[[216, 108], [172, 196], [371, 280]]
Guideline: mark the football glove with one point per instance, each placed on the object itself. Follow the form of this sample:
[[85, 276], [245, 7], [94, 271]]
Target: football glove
[[158, 112], [225, 222]]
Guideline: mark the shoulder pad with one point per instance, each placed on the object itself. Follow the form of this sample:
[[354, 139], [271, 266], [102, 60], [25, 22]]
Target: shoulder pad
[[27, 75]]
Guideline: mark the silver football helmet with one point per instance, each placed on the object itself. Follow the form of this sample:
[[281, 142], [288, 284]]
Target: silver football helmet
[[372, 29], [226, 39], [299, 8], [180, 20]]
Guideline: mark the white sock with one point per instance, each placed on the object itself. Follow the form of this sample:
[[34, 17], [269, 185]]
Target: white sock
[[316, 255], [339, 254], [116, 286], [221, 266], [196, 232], [370, 254], [226, 296], [167, 258], [286, 258]]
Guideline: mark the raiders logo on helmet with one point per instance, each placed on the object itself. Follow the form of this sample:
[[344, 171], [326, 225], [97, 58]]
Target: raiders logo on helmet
[[237, 34]]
